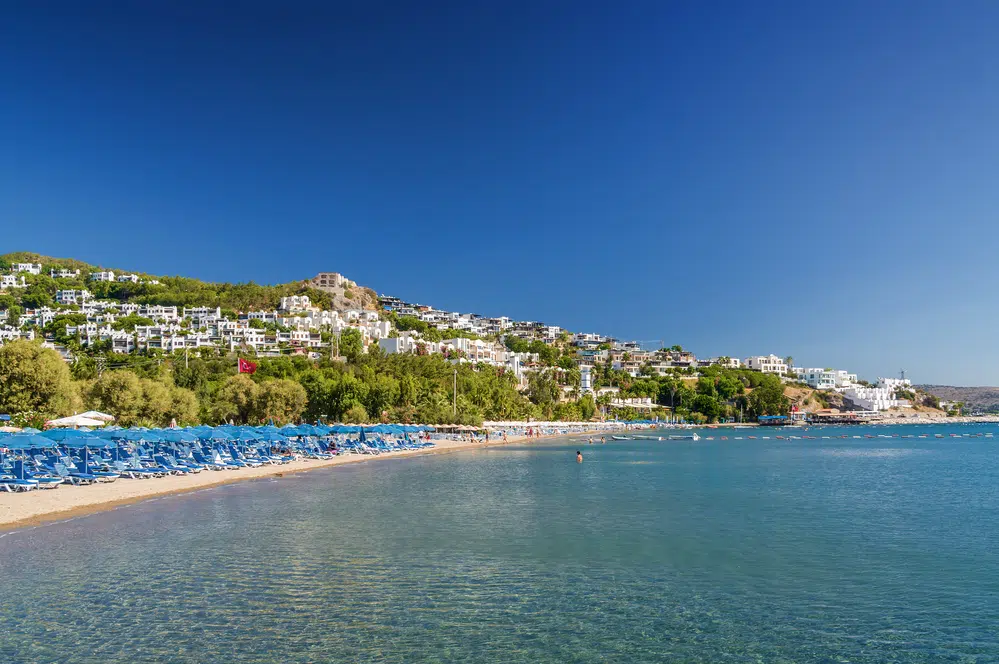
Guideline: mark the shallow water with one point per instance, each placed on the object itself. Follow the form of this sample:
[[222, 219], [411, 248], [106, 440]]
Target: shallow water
[[824, 550]]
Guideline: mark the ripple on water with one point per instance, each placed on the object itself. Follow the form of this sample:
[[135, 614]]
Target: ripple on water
[[719, 552]]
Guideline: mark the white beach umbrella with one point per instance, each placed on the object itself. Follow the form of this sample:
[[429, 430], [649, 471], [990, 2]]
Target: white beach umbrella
[[76, 421], [97, 415]]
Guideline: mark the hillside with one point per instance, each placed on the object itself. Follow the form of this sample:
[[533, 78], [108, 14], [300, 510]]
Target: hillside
[[175, 291], [975, 398]]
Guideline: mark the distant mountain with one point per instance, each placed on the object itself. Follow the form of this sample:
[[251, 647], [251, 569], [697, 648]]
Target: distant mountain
[[984, 398]]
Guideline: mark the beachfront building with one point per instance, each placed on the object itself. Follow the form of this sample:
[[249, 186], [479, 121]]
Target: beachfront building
[[30, 268], [874, 398], [72, 297], [64, 274], [766, 364], [107, 275], [12, 281], [825, 379]]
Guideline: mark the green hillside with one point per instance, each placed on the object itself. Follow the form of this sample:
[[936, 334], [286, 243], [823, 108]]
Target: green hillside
[[178, 291]]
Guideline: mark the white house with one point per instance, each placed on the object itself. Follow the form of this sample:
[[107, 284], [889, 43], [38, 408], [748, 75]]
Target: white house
[[72, 296], [874, 398], [296, 303], [30, 268], [12, 281], [102, 276], [124, 278], [64, 274], [767, 364]]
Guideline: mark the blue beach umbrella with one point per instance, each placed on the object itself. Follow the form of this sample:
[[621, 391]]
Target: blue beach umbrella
[[23, 441], [65, 434]]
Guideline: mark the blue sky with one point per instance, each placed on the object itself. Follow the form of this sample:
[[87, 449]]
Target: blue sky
[[805, 178]]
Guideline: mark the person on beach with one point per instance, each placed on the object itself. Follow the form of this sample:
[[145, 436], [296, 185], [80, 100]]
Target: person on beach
[[579, 457]]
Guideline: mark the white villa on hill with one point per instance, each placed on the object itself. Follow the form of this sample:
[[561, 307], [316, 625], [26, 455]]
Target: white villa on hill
[[766, 364]]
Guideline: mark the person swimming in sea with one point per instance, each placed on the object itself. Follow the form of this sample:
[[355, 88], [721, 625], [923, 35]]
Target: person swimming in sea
[[579, 457]]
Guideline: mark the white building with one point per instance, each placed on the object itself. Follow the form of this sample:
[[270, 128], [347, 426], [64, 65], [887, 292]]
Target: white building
[[64, 274], [895, 383], [12, 281], [30, 268], [72, 296], [332, 280], [296, 303], [125, 278], [825, 379], [874, 398], [767, 364], [102, 276]]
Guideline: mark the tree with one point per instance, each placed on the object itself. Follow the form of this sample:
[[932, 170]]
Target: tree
[[768, 398], [235, 400], [281, 400], [156, 402], [587, 407], [183, 406], [129, 322], [35, 379], [351, 344], [356, 415], [118, 393], [37, 296]]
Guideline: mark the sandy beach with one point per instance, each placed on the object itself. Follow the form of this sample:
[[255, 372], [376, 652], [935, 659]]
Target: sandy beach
[[36, 507]]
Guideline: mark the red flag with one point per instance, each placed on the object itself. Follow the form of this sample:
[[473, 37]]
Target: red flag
[[245, 366]]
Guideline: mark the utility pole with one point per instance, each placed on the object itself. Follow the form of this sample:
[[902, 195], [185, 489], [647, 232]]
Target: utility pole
[[185, 357]]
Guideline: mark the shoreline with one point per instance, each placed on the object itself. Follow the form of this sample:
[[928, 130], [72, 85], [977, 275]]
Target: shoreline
[[41, 507]]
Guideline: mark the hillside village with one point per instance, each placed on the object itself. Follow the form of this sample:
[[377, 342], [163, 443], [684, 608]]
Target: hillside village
[[82, 310]]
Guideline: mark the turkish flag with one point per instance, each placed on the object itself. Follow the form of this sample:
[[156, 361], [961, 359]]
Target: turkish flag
[[245, 366]]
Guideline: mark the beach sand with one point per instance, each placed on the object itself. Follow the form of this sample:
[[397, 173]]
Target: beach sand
[[40, 506]]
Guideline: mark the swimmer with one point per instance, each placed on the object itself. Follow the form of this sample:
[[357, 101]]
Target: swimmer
[[603, 439], [579, 457]]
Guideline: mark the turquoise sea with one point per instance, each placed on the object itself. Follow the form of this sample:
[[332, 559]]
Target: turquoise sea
[[857, 549]]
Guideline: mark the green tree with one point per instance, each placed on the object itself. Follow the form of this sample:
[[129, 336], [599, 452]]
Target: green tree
[[183, 406], [281, 400], [156, 402], [356, 415], [118, 393], [235, 400], [129, 322], [351, 344], [768, 398], [35, 379]]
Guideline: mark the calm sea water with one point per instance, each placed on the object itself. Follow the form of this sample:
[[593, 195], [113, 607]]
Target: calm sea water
[[825, 550]]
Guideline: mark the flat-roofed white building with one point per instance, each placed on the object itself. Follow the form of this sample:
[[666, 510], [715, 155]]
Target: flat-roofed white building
[[767, 364], [106, 275], [12, 281], [72, 296], [64, 274], [30, 268]]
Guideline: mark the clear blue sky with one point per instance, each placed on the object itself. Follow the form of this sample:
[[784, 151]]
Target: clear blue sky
[[807, 178]]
